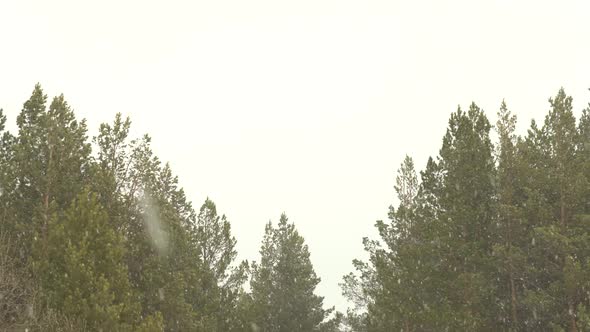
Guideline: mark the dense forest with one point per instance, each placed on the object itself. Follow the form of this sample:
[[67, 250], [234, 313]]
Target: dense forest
[[96, 234], [488, 237]]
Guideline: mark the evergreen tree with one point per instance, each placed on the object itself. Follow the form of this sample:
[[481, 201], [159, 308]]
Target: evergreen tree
[[26, 199], [165, 267], [112, 171], [400, 285], [387, 279], [467, 203], [7, 178], [283, 283], [561, 253], [434, 272], [513, 234], [218, 252], [84, 275], [50, 166]]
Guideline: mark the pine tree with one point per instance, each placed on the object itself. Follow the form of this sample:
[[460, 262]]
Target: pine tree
[[165, 267], [560, 257], [84, 275], [283, 283], [583, 308], [27, 195], [217, 247], [50, 166], [466, 201], [7, 179], [398, 287], [215, 240], [112, 170], [388, 279], [513, 236], [145, 203], [395, 264]]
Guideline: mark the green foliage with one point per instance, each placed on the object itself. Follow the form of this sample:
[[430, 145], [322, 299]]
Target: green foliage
[[558, 179], [217, 247], [111, 239], [486, 238], [486, 244], [16, 292], [82, 273], [283, 283], [49, 162]]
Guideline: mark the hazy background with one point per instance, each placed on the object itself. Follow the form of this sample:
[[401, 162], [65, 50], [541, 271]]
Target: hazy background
[[306, 107]]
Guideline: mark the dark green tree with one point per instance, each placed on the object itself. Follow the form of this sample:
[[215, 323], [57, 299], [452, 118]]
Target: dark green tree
[[399, 285], [50, 166], [559, 186], [7, 179], [432, 268], [283, 283], [218, 252], [513, 233], [466, 199], [146, 204], [384, 286], [84, 275]]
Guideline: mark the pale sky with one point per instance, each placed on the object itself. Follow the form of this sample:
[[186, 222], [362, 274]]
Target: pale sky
[[303, 107]]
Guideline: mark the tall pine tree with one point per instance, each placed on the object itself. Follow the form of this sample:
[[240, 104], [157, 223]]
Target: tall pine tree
[[84, 275], [284, 282], [217, 247]]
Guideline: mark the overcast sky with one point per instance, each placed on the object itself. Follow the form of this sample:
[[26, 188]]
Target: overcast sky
[[303, 107]]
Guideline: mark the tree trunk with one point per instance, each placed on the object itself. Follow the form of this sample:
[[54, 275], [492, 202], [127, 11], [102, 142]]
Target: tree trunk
[[563, 217], [513, 298], [511, 276], [46, 198], [572, 313]]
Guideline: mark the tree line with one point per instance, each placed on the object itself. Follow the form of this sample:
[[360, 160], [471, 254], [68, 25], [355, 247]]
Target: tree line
[[97, 235], [488, 237]]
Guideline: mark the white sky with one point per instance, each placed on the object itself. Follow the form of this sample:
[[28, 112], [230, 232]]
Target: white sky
[[306, 107]]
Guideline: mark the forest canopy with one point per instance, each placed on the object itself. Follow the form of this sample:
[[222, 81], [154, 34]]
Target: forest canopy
[[96, 234], [488, 237]]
